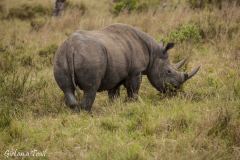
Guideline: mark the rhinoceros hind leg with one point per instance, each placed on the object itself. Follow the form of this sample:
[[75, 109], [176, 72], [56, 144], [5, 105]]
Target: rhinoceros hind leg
[[65, 83], [132, 85], [71, 101]]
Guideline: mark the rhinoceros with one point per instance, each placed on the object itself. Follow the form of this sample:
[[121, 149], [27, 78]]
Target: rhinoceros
[[105, 59]]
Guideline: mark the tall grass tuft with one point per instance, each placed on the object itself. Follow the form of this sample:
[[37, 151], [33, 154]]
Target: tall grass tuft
[[26, 11]]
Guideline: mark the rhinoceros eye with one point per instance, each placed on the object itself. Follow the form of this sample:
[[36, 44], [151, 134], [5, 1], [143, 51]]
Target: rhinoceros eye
[[169, 71]]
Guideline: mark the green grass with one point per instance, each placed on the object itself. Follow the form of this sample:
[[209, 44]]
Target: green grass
[[200, 122]]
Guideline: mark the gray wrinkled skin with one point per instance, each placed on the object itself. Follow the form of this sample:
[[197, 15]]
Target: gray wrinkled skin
[[105, 59]]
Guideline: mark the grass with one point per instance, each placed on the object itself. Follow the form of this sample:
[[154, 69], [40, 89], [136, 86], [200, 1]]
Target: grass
[[200, 122]]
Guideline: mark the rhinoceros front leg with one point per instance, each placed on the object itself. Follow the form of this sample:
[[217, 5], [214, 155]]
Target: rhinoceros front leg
[[132, 85], [114, 93], [88, 99]]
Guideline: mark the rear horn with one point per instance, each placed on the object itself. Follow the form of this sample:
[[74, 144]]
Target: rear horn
[[180, 64]]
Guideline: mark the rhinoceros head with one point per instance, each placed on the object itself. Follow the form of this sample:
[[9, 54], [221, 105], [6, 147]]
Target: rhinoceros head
[[164, 76]]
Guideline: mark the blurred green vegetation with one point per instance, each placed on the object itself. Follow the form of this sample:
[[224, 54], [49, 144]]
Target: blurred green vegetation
[[186, 32], [26, 11]]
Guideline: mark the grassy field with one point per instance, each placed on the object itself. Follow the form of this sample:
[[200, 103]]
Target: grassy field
[[200, 122]]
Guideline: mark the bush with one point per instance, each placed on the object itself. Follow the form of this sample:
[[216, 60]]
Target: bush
[[38, 23], [133, 5], [187, 32], [210, 3], [81, 7], [124, 5], [27, 11]]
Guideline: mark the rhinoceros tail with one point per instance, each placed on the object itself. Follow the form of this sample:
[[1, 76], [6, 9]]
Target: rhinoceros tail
[[71, 64]]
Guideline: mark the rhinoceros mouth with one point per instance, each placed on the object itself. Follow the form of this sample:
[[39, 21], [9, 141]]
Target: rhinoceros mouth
[[170, 87]]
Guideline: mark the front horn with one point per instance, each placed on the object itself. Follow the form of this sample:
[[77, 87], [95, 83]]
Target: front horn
[[180, 64], [191, 74]]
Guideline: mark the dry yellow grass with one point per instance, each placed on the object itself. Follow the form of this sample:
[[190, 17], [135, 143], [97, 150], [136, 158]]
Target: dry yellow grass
[[201, 122]]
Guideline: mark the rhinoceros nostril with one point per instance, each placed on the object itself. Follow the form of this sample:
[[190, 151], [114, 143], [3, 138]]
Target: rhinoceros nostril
[[185, 75]]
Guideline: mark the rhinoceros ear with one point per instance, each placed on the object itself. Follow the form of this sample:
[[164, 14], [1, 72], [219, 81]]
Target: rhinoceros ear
[[169, 46]]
